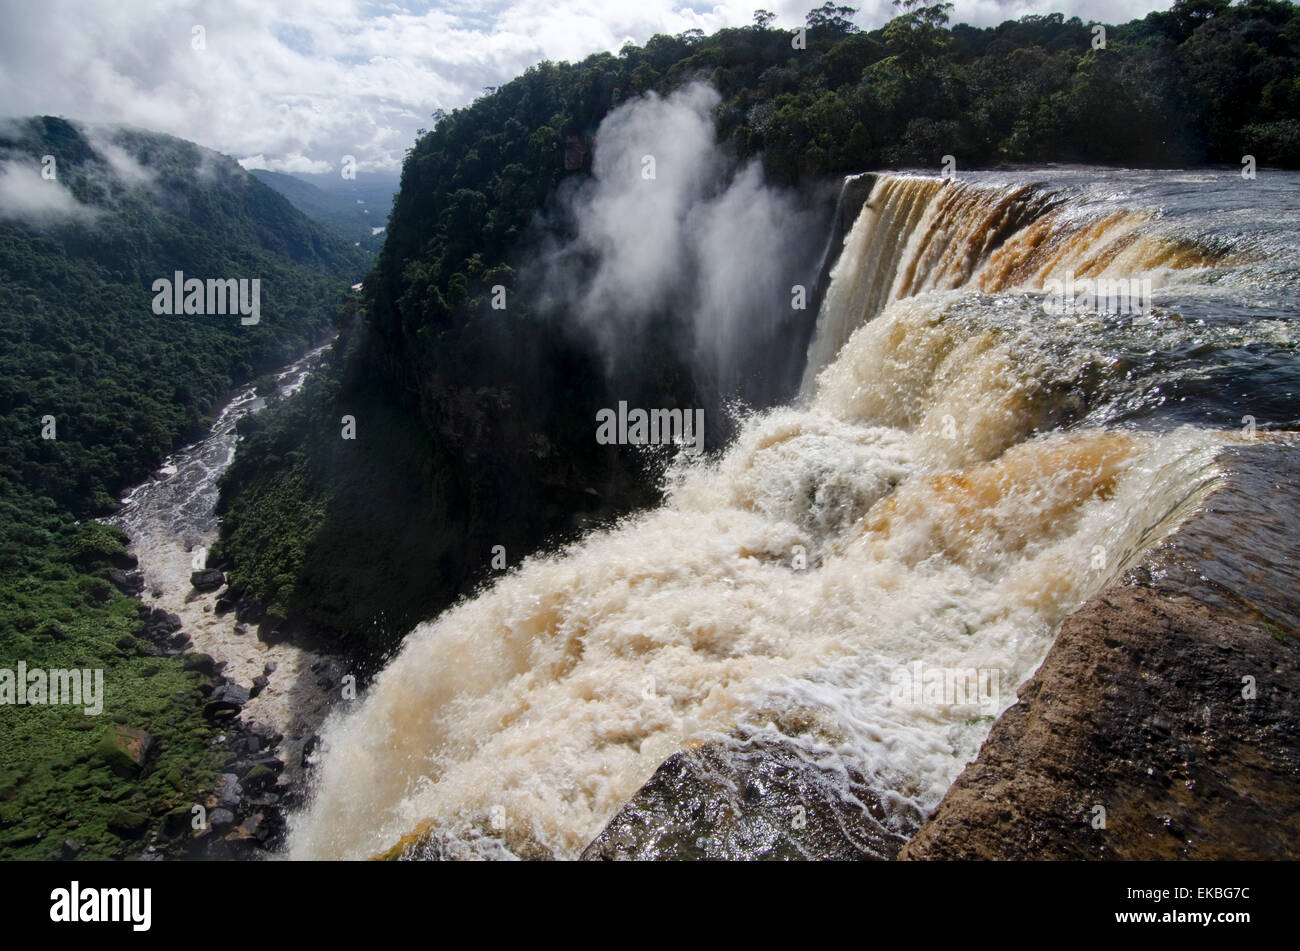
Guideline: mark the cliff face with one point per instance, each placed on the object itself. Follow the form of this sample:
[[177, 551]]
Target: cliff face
[[1169, 700]]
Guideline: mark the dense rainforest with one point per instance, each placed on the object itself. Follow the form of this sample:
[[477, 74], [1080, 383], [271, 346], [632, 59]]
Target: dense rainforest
[[95, 390], [474, 426], [355, 209]]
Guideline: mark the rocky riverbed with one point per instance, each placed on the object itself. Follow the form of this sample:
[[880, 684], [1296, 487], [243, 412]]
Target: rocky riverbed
[[266, 695]]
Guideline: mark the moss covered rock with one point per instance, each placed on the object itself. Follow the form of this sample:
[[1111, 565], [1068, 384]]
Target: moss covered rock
[[124, 749]]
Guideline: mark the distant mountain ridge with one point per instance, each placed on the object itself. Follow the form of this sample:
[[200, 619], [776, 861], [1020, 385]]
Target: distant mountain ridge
[[90, 218], [352, 208]]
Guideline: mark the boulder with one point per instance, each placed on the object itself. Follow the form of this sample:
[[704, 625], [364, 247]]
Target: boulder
[[250, 611], [178, 822], [259, 778], [124, 749], [753, 800], [129, 583], [247, 831], [229, 791], [203, 663], [225, 701], [208, 579], [126, 821]]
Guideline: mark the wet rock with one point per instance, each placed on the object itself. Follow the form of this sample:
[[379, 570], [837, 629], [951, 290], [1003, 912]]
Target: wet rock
[[247, 831], [203, 663], [159, 626], [226, 700], [220, 818], [229, 791], [124, 749], [1171, 700], [269, 735], [129, 583], [250, 611], [271, 629], [224, 606], [127, 822], [207, 579], [246, 744], [755, 800], [178, 822], [260, 683], [1204, 786], [259, 778]]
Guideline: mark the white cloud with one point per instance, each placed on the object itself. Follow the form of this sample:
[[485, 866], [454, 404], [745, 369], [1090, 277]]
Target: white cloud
[[130, 172], [26, 196], [314, 80], [296, 163]]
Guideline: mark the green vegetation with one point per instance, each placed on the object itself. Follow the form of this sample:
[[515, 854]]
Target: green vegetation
[[474, 432], [81, 344], [352, 209]]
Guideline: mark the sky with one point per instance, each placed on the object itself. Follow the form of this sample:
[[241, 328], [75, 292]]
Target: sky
[[296, 85]]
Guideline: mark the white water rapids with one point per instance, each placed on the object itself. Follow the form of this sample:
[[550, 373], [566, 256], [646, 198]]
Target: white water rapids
[[939, 519], [171, 521]]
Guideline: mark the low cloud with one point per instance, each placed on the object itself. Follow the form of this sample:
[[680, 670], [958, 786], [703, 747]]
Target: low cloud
[[296, 164], [28, 197], [124, 166]]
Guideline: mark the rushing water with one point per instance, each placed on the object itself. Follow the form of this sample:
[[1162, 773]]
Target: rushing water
[[171, 520], [962, 470]]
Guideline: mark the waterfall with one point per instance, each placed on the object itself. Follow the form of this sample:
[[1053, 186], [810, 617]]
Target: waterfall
[[918, 234], [939, 497]]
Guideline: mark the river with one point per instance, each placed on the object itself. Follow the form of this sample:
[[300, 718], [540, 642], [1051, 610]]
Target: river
[[171, 521]]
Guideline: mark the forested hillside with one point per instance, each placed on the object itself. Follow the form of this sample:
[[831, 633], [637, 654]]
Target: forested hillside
[[95, 389], [352, 218], [475, 427]]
